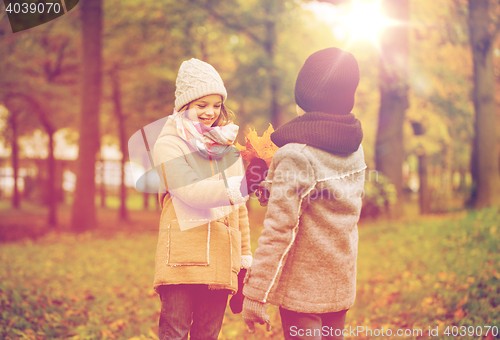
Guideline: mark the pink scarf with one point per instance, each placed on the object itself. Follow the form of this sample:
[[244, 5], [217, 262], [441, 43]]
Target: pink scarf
[[210, 142]]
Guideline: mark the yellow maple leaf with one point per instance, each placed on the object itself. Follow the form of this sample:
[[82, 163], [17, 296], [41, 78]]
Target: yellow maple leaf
[[258, 146]]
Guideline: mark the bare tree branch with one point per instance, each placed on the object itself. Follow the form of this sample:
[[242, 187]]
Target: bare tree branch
[[37, 108], [496, 31], [59, 61], [236, 26], [225, 20]]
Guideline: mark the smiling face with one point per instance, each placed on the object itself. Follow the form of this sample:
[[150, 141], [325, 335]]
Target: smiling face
[[207, 108]]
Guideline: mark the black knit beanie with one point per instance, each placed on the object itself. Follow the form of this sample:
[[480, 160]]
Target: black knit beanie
[[327, 82]]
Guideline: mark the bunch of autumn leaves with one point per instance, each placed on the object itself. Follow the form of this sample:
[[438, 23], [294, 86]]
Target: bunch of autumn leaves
[[259, 152]]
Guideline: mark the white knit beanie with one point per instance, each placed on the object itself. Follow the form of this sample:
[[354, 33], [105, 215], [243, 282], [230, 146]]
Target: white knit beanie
[[197, 79]]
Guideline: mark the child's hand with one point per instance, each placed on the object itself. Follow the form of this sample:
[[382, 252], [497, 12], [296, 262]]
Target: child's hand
[[256, 172], [255, 311], [262, 195], [236, 302]]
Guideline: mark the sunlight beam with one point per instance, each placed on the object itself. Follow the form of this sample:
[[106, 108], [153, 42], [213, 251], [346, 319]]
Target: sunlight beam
[[365, 21]]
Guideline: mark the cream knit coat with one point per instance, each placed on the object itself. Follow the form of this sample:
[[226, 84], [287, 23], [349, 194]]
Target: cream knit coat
[[209, 253], [306, 258]]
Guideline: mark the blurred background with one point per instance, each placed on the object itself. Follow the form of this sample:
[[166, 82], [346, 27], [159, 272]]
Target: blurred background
[[74, 90]]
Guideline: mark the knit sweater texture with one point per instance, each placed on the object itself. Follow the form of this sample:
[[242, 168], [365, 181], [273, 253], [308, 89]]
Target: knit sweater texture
[[333, 133], [306, 255]]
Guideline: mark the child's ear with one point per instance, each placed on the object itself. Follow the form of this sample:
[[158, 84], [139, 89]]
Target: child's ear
[[299, 110]]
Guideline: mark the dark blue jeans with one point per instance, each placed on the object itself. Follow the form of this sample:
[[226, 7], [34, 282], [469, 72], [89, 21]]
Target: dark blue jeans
[[191, 309], [302, 326]]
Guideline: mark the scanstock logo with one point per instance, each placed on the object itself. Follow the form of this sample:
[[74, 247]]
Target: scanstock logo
[[25, 14]]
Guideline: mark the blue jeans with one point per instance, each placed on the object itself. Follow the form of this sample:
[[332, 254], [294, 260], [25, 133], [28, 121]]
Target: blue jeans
[[191, 309], [302, 326]]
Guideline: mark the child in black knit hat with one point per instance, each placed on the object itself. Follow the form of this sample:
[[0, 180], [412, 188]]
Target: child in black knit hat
[[306, 259]]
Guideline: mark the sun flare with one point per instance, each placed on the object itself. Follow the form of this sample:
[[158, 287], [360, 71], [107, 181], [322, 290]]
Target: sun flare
[[365, 20]]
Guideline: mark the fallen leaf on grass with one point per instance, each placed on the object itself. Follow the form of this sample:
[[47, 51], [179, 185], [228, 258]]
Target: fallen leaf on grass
[[440, 311], [489, 337], [107, 334], [459, 313], [471, 279], [117, 325], [427, 301], [462, 301]]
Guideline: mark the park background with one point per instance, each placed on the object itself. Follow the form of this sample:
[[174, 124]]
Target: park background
[[78, 240]]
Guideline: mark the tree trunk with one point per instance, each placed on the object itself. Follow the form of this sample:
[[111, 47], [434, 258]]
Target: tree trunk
[[445, 185], [16, 202], [84, 211], [117, 97], [389, 151], [102, 184], [485, 170], [52, 193], [423, 190], [463, 180], [203, 48], [272, 8]]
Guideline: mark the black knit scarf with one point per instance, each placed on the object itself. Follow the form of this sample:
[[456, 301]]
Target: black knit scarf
[[332, 133]]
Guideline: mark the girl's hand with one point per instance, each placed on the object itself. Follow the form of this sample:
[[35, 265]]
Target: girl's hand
[[236, 302], [256, 172]]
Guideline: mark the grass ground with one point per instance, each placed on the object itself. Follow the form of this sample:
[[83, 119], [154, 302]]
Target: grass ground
[[437, 273]]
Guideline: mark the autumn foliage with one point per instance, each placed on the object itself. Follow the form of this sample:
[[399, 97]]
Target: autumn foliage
[[258, 146], [438, 272]]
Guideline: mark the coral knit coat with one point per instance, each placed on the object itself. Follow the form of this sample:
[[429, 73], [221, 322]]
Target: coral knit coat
[[211, 252]]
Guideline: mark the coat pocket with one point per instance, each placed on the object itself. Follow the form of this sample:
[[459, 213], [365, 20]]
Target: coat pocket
[[188, 247]]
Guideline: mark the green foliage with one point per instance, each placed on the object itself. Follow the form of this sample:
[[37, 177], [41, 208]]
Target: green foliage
[[436, 273], [441, 82], [380, 195]]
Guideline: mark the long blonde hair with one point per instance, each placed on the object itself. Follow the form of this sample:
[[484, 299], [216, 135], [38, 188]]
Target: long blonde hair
[[226, 115]]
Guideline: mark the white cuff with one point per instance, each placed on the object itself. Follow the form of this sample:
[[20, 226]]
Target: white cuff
[[246, 261], [233, 191]]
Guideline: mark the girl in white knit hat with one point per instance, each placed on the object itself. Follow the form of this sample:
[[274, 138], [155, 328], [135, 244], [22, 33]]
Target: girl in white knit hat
[[204, 237]]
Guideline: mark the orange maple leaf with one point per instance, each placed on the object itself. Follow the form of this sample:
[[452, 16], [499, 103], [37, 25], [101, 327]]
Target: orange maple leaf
[[459, 313], [258, 146], [490, 336], [462, 302]]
